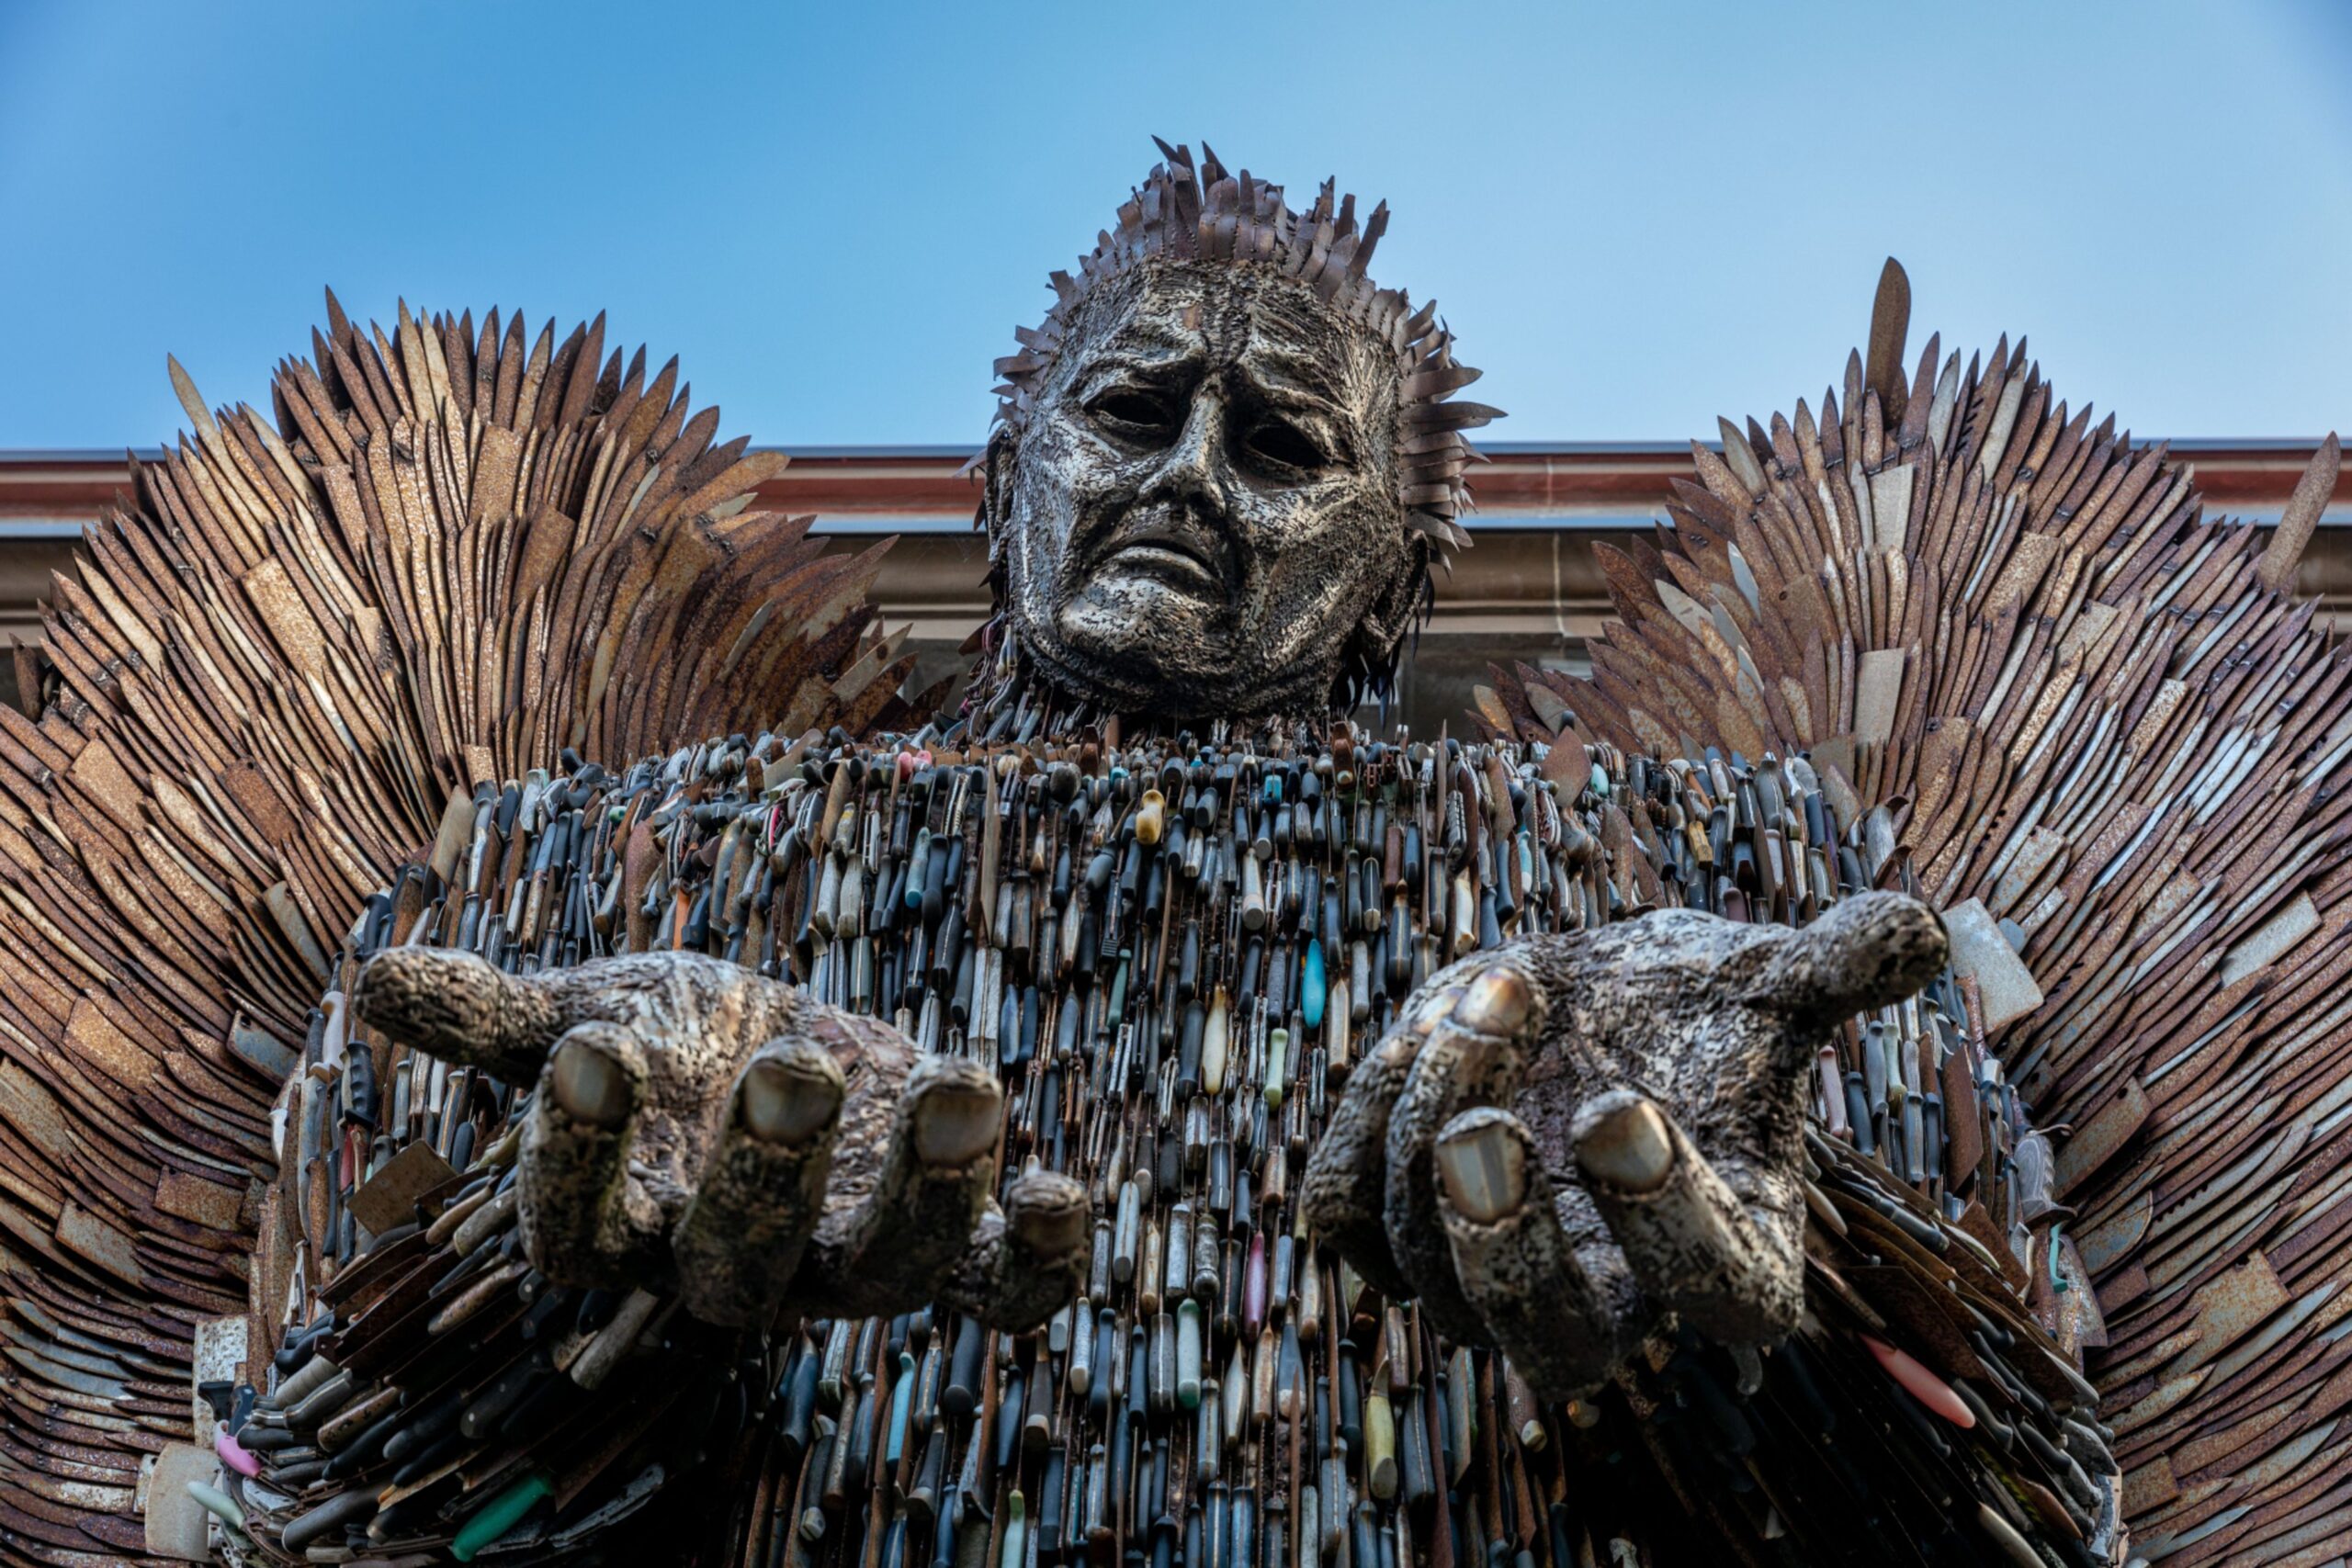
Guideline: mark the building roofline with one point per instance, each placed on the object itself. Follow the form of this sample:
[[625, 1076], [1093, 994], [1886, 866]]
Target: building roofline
[[14, 457], [1531, 486]]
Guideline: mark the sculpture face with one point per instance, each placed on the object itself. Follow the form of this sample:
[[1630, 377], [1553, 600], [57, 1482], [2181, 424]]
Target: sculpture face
[[1201, 516]]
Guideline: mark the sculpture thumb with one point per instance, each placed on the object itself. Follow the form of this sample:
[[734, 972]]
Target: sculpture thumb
[[459, 1007], [1870, 950]]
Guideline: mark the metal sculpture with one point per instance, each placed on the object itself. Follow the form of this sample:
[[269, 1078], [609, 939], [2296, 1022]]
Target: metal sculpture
[[1252, 1076]]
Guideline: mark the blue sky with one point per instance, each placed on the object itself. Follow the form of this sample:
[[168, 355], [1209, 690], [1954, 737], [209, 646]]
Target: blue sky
[[1635, 217]]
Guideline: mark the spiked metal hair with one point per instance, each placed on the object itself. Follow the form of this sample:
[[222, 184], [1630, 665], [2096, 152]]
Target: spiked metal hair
[[1207, 215]]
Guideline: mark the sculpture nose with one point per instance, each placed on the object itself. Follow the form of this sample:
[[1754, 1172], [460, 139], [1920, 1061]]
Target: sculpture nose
[[1193, 473]]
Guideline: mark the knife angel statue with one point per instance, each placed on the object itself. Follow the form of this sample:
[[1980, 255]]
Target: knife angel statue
[[523, 1040]]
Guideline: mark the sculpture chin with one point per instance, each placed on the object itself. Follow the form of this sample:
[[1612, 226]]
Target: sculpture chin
[[1149, 631]]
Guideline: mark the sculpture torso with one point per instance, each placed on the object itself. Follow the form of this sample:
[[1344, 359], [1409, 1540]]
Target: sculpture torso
[[1174, 957]]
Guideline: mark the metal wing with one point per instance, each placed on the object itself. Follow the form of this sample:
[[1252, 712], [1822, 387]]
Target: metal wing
[[443, 556]]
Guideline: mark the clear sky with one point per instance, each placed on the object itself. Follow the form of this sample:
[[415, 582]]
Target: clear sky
[[1636, 216]]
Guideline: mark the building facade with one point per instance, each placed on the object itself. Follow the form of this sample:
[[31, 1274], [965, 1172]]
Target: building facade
[[1529, 588]]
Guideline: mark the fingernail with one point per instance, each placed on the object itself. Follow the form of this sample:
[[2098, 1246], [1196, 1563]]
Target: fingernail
[[1052, 1227], [955, 1125], [1484, 1167], [591, 1084], [785, 1104], [1629, 1148], [1498, 1002]]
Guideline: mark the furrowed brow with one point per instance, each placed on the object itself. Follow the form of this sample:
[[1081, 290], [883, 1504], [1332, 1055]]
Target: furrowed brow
[[1146, 345], [1294, 378]]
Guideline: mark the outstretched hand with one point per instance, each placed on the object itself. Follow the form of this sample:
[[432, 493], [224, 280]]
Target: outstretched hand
[[1569, 1137], [698, 1125]]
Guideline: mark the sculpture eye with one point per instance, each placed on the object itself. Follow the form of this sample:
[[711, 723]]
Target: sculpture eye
[[1134, 414], [1280, 444]]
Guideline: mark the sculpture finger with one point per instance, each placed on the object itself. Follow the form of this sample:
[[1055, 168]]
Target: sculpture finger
[[1472, 1057], [585, 1219], [1025, 1264], [1514, 1262], [1869, 949], [762, 1187], [461, 1008], [1343, 1192], [888, 1249], [1690, 1241]]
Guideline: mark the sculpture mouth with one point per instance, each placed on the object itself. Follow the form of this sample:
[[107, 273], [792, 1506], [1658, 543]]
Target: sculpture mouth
[[1185, 559]]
